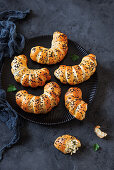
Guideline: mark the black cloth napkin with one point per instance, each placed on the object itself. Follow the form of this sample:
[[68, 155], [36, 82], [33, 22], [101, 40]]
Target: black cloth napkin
[[10, 42]]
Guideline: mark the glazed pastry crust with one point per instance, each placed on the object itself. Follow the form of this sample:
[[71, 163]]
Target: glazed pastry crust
[[74, 103], [39, 104], [78, 73], [67, 144], [28, 77], [53, 55]]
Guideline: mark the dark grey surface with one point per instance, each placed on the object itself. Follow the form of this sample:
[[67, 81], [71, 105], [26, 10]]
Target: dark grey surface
[[91, 24]]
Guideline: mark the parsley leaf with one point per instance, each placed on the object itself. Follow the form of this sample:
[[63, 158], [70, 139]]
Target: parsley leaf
[[74, 57], [11, 88], [96, 147]]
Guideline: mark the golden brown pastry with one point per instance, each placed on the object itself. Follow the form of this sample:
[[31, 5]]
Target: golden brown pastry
[[39, 104], [53, 55], [67, 144], [26, 76], [74, 103], [78, 73], [99, 133]]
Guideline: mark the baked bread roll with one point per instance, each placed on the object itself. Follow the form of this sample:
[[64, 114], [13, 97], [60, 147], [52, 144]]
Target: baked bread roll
[[26, 76], [78, 73], [67, 144], [39, 104], [74, 103], [53, 55]]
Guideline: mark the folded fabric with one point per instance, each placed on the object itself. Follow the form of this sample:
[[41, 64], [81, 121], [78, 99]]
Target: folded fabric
[[10, 118], [10, 42]]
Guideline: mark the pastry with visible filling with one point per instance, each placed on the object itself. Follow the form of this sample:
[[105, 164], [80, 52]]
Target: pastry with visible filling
[[67, 144]]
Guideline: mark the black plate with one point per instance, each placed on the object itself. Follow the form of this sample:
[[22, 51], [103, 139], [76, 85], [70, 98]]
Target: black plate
[[59, 114]]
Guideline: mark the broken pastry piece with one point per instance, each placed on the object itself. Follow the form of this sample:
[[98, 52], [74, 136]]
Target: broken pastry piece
[[67, 144], [99, 133]]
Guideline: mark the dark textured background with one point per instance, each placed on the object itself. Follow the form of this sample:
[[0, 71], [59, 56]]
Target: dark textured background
[[91, 24]]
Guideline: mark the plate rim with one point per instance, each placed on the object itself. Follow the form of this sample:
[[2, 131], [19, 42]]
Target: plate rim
[[60, 122]]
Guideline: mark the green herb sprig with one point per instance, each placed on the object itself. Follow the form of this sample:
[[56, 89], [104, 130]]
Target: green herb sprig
[[74, 57], [11, 88], [96, 147]]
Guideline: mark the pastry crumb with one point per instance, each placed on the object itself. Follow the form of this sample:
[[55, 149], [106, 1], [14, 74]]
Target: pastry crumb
[[99, 133]]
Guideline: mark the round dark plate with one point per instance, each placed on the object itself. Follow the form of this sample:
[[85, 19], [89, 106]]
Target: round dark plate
[[58, 114]]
